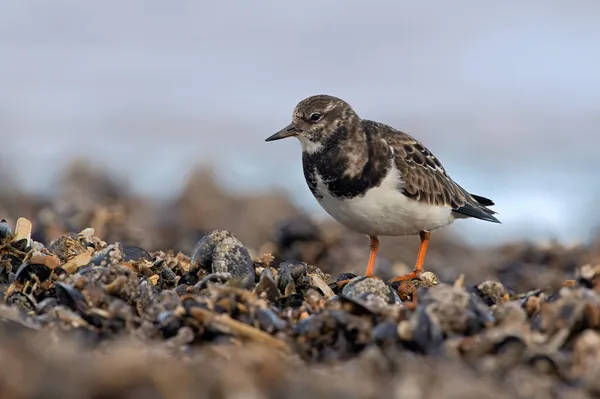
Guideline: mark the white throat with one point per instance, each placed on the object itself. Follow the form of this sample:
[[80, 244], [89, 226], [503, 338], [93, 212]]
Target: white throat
[[309, 146]]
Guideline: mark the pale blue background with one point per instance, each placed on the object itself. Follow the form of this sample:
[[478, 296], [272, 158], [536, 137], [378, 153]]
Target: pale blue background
[[507, 94]]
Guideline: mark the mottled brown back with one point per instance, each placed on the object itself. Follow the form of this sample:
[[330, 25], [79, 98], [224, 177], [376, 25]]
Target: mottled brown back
[[425, 179]]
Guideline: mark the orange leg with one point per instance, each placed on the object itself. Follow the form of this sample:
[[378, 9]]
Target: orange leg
[[372, 257], [374, 249], [420, 259]]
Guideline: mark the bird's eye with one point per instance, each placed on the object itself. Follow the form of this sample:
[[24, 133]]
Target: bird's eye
[[315, 116]]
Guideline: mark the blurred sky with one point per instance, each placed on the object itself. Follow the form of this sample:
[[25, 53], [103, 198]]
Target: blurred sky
[[506, 94]]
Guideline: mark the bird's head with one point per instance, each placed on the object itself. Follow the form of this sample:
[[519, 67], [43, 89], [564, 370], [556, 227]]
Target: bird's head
[[315, 119]]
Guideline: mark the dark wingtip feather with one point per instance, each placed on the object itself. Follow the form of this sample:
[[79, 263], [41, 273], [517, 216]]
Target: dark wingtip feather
[[482, 200], [493, 219], [478, 212]]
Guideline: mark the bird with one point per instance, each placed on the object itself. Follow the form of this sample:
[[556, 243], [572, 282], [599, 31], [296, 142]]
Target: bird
[[376, 180]]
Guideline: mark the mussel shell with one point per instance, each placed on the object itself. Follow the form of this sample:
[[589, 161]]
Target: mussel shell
[[220, 251], [167, 278], [510, 344], [28, 270], [14, 261], [345, 276], [297, 269], [269, 321], [553, 297], [21, 300], [219, 278], [267, 285], [112, 324], [5, 231], [248, 282], [427, 335], [59, 271], [480, 315], [189, 303], [285, 277], [366, 288], [189, 278], [355, 305], [45, 305], [95, 319], [102, 255], [230, 255], [181, 289], [42, 295], [308, 326], [586, 282], [88, 269], [132, 253], [335, 287], [20, 245], [169, 324], [202, 254], [292, 301], [70, 297], [385, 333]]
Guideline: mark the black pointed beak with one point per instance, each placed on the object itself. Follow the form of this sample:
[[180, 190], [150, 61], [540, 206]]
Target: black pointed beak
[[288, 131]]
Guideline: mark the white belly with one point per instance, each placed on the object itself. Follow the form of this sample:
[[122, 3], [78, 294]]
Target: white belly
[[384, 210]]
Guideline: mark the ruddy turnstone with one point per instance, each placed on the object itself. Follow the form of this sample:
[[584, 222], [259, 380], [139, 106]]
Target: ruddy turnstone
[[374, 179]]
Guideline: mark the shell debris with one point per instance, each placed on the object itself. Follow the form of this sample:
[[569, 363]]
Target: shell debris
[[23, 230], [181, 311]]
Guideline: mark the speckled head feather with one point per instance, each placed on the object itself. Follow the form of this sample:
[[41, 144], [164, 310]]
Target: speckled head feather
[[316, 118]]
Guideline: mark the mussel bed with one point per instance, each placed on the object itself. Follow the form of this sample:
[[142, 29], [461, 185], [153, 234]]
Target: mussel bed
[[81, 317]]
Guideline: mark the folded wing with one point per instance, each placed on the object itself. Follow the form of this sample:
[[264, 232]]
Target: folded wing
[[426, 180]]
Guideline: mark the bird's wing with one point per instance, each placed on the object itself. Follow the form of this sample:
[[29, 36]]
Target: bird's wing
[[424, 179]]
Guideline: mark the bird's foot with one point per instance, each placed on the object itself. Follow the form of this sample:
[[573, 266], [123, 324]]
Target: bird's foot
[[415, 274], [407, 289]]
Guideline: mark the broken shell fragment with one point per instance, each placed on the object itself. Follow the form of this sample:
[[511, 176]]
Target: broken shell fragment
[[23, 231]]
